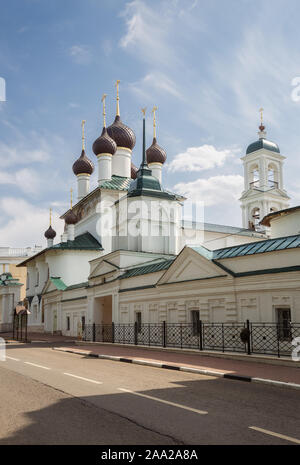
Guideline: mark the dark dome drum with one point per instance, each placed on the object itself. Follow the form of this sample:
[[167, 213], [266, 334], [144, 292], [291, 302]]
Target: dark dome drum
[[50, 233], [104, 144], [156, 154], [83, 165], [121, 134]]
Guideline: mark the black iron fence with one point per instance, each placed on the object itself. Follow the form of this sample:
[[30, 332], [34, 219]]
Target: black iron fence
[[251, 338]]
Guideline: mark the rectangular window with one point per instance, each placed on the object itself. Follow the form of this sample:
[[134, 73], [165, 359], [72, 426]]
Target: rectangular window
[[68, 323], [284, 323], [195, 316], [138, 317]]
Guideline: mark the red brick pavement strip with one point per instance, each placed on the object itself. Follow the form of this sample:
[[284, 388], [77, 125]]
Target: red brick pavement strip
[[39, 337], [235, 369]]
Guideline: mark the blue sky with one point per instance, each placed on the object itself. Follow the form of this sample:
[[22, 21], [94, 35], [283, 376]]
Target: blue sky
[[208, 66]]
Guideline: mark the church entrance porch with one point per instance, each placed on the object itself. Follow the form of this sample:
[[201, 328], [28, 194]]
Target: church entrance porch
[[101, 330]]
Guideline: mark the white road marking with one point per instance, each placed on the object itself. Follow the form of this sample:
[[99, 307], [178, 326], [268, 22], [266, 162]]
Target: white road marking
[[201, 412], [84, 379], [38, 366], [12, 358], [277, 435]]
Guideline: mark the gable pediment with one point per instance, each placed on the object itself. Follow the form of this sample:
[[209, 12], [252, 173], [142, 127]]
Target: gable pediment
[[103, 268], [189, 266]]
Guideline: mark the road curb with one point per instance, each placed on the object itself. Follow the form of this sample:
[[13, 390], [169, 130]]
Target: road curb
[[199, 371]]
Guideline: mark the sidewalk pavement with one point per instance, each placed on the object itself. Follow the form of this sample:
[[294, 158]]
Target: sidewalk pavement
[[259, 372], [39, 337]]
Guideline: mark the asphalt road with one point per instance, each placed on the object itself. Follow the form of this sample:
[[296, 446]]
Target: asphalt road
[[49, 397]]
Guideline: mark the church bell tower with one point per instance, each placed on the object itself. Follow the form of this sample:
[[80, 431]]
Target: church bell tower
[[263, 181]]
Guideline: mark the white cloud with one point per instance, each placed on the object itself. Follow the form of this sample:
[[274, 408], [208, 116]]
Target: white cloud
[[200, 158], [20, 153], [25, 223], [147, 32], [215, 190], [80, 54], [157, 82]]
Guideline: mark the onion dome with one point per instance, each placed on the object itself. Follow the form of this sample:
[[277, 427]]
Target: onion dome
[[104, 144], [155, 154], [50, 233], [134, 171], [70, 217], [121, 134], [262, 144], [83, 165]]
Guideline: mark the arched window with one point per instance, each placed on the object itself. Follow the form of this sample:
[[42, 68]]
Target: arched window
[[255, 217], [254, 176], [272, 175]]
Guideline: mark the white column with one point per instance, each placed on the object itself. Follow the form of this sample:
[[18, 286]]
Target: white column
[[156, 169], [71, 232], [121, 162], [83, 185], [64, 237], [104, 166], [49, 242]]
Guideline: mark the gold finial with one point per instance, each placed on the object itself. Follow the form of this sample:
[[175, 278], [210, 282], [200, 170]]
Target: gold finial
[[118, 106], [50, 215], [71, 192], [82, 126], [154, 121], [261, 115], [144, 111], [103, 101]]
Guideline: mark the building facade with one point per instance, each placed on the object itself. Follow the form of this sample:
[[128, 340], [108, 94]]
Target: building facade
[[127, 254]]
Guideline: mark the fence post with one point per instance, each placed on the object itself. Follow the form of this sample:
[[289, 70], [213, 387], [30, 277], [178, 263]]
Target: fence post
[[223, 348], [278, 340], [249, 338], [164, 334], [94, 332], [26, 322], [200, 335], [113, 332], [135, 333], [14, 323]]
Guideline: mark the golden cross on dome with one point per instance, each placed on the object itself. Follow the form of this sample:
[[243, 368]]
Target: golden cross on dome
[[154, 121], [118, 106], [82, 126], [261, 115], [144, 111], [103, 101], [50, 215], [71, 192]]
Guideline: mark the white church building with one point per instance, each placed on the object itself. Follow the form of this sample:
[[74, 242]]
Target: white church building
[[127, 255]]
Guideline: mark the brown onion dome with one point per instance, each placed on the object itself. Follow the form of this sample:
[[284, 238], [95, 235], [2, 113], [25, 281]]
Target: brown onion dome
[[121, 134], [134, 171], [50, 233], [155, 154], [71, 218], [104, 144], [83, 165]]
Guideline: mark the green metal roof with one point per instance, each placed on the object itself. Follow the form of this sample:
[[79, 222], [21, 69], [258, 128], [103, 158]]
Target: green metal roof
[[77, 286], [220, 228], [83, 242], [268, 245], [145, 269], [58, 283], [262, 144], [116, 182]]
